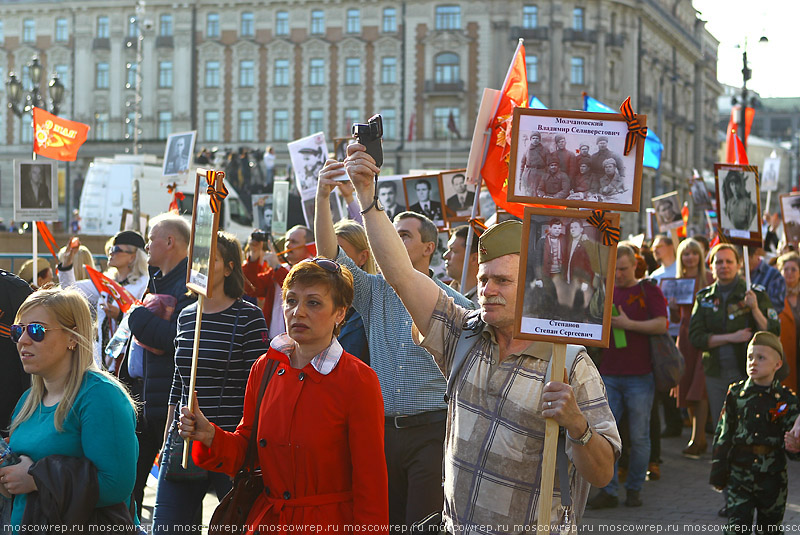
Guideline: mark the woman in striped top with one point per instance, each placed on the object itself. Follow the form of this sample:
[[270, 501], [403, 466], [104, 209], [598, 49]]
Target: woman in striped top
[[233, 336]]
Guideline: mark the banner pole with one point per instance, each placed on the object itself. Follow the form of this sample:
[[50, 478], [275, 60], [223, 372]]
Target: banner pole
[[195, 351], [557, 366]]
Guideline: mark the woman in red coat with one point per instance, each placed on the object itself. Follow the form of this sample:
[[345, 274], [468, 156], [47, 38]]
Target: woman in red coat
[[320, 430]]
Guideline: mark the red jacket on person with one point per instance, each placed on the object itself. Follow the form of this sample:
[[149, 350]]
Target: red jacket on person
[[263, 285]]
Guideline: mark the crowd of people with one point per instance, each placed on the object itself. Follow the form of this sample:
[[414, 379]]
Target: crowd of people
[[374, 395]]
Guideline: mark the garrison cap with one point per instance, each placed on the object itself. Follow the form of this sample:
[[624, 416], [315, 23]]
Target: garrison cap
[[765, 338], [499, 240]]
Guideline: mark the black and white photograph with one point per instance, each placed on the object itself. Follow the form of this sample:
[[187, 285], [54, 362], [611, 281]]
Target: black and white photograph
[[668, 211], [391, 195], [677, 291], [280, 205], [576, 159], [203, 240], [458, 194], [770, 173], [340, 147], [568, 274], [308, 155], [437, 260], [263, 212], [701, 197], [739, 202], [309, 209], [790, 213], [178, 153], [423, 196], [35, 191]]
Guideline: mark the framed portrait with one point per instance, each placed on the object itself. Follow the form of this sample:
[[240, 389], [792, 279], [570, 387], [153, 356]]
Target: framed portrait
[[701, 197], [309, 209], [438, 265], [280, 205], [574, 158], [308, 155], [668, 211], [790, 213], [263, 211], [126, 221], [738, 203], [391, 194], [178, 154], [566, 278], [35, 190], [203, 242], [423, 195], [458, 194], [681, 290], [770, 174]]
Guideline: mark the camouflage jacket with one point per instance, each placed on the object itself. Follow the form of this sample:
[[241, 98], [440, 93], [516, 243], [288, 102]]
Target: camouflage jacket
[[753, 416]]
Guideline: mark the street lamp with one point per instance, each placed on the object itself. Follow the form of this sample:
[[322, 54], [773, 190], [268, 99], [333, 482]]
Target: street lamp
[[747, 73], [34, 96]]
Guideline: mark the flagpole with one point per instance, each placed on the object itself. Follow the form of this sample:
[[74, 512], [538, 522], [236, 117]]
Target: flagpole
[[35, 237], [447, 154]]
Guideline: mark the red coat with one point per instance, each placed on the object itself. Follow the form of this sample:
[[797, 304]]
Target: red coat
[[263, 285], [320, 448]]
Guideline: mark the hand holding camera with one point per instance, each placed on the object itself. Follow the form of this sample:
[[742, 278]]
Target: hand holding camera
[[370, 135]]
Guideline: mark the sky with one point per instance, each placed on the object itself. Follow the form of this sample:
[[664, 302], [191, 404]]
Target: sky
[[774, 64]]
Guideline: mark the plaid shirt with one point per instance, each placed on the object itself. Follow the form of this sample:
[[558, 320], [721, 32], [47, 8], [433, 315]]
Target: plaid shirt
[[495, 429], [410, 382]]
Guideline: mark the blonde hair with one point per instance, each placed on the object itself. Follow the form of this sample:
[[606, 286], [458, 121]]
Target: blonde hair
[[71, 310], [356, 236], [694, 246], [138, 266], [82, 258]]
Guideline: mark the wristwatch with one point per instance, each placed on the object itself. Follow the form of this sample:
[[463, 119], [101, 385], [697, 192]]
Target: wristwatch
[[584, 438]]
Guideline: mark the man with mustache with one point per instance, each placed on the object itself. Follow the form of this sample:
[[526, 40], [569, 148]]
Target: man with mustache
[[493, 446]]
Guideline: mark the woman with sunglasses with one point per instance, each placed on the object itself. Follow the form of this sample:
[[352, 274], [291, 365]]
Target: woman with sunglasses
[[72, 409], [232, 337], [127, 265], [320, 424]]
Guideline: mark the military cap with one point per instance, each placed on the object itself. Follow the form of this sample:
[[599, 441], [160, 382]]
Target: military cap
[[765, 338], [26, 271], [499, 240]]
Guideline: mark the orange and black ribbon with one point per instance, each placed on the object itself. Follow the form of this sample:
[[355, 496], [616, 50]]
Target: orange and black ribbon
[[634, 128], [477, 226], [599, 221], [48, 238], [217, 192]]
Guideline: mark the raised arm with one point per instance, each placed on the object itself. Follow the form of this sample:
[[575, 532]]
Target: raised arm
[[324, 234]]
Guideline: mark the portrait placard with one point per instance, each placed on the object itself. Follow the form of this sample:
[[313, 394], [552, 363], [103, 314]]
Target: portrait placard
[[35, 190], [459, 195], [263, 211], [573, 158], [308, 155], [770, 174], [178, 153], [391, 194], [790, 213], [126, 221], [668, 211], [739, 203], [438, 265], [679, 291], [423, 195], [203, 242], [280, 203], [701, 197], [566, 278]]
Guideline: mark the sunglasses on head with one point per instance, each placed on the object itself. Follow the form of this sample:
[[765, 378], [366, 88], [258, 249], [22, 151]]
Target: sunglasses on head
[[36, 331], [326, 264]]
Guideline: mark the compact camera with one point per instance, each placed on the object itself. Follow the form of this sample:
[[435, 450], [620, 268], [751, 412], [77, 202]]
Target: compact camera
[[370, 135]]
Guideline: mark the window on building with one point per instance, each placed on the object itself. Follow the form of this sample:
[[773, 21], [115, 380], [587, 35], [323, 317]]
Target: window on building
[[211, 125], [352, 115], [28, 30], [317, 21], [316, 72], [441, 117], [530, 16], [212, 73], [576, 71], [62, 70], [247, 73], [613, 23], [100, 126], [130, 124], [248, 26], [352, 71], [448, 18], [247, 130], [532, 68], [102, 27], [164, 124], [130, 75], [280, 124], [62, 30], [212, 25], [133, 26], [389, 19], [101, 75], [315, 118], [446, 68], [612, 75], [389, 116], [26, 76], [353, 21], [389, 70], [165, 25], [282, 23], [281, 74], [578, 19], [164, 74]]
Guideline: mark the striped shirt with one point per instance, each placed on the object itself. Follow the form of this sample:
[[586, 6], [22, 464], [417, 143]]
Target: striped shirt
[[250, 341], [410, 381]]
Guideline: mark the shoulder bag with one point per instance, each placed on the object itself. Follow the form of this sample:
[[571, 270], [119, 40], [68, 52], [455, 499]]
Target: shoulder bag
[[665, 357]]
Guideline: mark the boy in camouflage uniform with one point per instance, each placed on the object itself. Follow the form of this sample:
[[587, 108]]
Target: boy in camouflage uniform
[[748, 454]]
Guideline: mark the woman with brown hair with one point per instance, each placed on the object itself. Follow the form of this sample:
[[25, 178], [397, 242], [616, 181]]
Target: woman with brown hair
[[789, 266]]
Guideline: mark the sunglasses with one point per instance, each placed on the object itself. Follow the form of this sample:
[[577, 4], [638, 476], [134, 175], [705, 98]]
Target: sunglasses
[[118, 249], [36, 331], [326, 264]]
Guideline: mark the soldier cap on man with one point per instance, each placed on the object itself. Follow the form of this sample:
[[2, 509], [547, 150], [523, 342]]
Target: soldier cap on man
[[499, 240], [767, 339]]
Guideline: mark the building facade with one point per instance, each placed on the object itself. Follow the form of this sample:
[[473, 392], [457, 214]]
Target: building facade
[[256, 73]]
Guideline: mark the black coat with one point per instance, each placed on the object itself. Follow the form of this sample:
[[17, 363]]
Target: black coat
[[13, 379]]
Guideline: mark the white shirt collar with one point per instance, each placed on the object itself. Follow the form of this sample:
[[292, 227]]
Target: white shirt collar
[[324, 363]]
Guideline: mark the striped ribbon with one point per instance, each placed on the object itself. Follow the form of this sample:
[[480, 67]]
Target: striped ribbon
[[634, 128], [599, 221], [217, 191]]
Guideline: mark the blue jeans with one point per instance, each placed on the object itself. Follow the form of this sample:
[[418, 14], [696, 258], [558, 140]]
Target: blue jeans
[[632, 395]]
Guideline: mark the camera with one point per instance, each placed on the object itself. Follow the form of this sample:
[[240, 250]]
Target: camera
[[370, 135]]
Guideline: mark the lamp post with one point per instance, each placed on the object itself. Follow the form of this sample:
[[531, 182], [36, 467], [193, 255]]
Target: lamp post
[[34, 96], [747, 73]]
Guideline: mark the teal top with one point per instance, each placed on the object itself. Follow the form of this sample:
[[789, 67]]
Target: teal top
[[101, 426]]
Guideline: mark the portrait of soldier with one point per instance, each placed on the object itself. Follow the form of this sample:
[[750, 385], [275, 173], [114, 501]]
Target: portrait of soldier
[[739, 208]]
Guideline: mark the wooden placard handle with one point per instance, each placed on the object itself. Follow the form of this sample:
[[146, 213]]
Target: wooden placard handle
[[550, 448], [195, 351]]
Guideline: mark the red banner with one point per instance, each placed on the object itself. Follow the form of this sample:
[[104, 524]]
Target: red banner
[[124, 298], [57, 138]]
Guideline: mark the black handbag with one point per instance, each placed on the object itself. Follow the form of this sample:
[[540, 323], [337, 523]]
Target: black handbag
[[230, 516], [665, 358]]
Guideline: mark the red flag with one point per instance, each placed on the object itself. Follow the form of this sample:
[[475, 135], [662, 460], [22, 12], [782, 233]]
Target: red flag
[[451, 125], [495, 169], [685, 217], [48, 238], [736, 152], [411, 124], [124, 298], [57, 138]]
